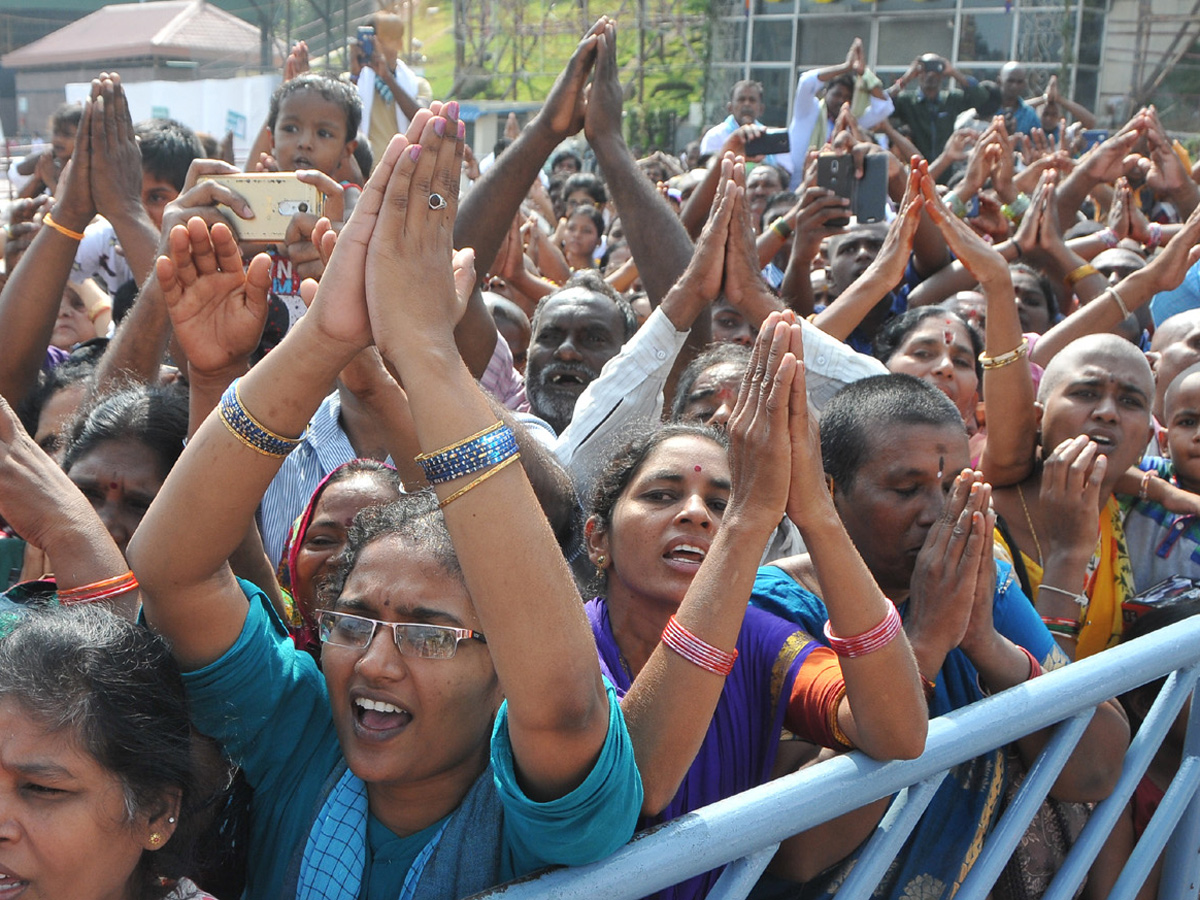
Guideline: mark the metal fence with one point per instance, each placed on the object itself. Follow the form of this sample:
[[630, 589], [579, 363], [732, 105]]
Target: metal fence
[[745, 830]]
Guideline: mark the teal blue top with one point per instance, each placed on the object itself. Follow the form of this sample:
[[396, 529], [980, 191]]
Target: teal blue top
[[267, 704]]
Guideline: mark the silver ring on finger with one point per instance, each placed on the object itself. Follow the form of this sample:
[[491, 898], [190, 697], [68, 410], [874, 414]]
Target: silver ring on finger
[[437, 201]]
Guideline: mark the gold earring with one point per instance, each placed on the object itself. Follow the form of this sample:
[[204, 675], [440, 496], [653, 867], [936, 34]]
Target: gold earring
[[601, 563], [155, 839]]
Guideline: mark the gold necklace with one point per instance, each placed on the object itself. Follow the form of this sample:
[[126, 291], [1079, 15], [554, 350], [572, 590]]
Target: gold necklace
[[1032, 531]]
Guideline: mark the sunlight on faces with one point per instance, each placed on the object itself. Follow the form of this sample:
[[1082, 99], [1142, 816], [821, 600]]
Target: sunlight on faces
[[310, 133], [120, 478], [64, 830], [713, 396], [72, 325], [1182, 408], [664, 522], [897, 495], [437, 731], [1032, 308], [156, 194], [729, 326], [1100, 386], [326, 534], [939, 351]]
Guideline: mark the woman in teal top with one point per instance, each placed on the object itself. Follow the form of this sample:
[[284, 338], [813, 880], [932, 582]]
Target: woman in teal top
[[460, 732]]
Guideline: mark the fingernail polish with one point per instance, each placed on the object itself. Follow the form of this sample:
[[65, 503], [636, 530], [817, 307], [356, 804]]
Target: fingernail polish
[[462, 130], [439, 126], [415, 152], [451, 110]]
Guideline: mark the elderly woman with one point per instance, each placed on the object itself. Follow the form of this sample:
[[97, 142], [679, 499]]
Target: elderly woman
[[438, 683]]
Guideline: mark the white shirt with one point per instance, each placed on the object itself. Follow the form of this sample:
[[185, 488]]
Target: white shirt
[[806, 111]]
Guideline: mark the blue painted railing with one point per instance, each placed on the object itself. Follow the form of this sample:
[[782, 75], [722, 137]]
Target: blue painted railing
[[745, 830]]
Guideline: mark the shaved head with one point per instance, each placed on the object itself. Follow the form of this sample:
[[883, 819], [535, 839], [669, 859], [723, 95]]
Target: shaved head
[[1095, 349]]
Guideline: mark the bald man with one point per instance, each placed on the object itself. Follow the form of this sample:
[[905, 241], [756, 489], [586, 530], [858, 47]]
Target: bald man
[[1018, 115]]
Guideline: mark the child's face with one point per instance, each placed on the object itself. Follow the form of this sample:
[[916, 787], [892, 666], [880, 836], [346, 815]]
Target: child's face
[[310, 133], [1182, 410], [156, 194]]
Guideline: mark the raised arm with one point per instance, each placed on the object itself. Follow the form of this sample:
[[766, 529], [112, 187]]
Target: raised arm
[[116, 176], [33, 292], [1007, 381], [558, 711], [658, 240], [42, 505], [180, 550]]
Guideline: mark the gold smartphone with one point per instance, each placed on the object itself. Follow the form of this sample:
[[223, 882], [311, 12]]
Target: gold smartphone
[[275, 197]]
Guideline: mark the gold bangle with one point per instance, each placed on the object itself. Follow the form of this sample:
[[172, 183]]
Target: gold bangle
[[237, 393], [48, 219], [476, 436], [1004, 359], [478, 481], [98, 312], [1077, 275]]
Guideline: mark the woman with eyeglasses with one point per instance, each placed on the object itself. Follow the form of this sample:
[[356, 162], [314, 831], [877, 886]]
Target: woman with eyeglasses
[[447, 745]]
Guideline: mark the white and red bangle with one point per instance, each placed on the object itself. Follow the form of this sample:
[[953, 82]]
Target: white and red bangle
[[1155, 236], [1108, 237], [100, 590], [698, 652], [869, 641]]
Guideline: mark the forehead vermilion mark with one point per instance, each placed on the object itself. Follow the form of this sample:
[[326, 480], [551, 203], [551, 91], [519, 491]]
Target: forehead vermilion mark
[[699, 468]]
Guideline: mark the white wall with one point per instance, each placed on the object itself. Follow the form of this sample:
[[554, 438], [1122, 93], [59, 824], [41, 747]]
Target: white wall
[[205, 105]]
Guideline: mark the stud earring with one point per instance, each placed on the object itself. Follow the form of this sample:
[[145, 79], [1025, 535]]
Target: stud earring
[[170, 820], [155, 839]]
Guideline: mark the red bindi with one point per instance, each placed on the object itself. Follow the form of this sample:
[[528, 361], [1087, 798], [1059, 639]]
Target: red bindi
[[699, 469], [112, 485]]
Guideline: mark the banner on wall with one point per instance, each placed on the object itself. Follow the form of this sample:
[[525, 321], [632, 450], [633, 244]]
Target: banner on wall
[[213, 105]]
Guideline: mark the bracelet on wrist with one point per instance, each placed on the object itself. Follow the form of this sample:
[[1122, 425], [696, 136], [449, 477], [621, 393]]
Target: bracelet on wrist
[[98, 311], [1108, 237], [249, 430], [1112, 292], [1082, 600], [488, 447], [782, 228], [48, 220], [869, 641], [1144, 488], [698, 651], [1155, 239], [1078, 274], [1016, 210], [99, 590], [1005, 359]]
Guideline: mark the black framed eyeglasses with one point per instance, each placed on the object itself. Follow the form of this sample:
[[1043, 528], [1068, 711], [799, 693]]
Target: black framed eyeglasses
[[413, 639]]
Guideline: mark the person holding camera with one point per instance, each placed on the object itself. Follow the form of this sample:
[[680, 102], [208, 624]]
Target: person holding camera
[[390, 91], [929, 112]]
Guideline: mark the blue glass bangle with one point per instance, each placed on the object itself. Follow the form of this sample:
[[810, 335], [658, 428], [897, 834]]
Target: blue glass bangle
[[249, 430], [492, 446]]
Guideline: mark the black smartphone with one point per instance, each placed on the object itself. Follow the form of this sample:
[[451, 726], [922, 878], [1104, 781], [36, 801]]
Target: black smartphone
[[870, 191], [933, 65], [836, 173], [774, 140]]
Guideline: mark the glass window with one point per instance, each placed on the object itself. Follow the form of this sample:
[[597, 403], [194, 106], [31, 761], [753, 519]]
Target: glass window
[[1087, 85], [903, 40], [772, 41], [916, 5], [1091, 38], [774, 7], [1046, 35], [984, 38], [729, 40], [824, 42], [777, 86]]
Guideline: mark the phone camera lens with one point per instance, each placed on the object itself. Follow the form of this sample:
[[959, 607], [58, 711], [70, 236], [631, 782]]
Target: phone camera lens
[[304, 207]]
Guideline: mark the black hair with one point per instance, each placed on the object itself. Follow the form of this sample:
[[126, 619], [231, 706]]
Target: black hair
[[1044, 284], [502, 144], [72, 371], [594, 214], [168, 148], [562, 155], [746, 82], [67, 115], [586, 181], [155, 416], [877, 404], [331, 89], [116, 687], [846, 80], [716, 355], [591, 280], [628, 461], [897, 329], [414, 518]]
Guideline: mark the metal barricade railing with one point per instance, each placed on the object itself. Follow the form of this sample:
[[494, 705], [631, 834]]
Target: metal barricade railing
[[744, 831]]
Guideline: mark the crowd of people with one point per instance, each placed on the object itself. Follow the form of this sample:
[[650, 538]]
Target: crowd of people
[[501, 509]]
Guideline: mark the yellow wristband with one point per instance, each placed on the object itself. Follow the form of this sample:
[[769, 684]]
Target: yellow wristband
[[48, 219], [99, 311], [1077, 275]]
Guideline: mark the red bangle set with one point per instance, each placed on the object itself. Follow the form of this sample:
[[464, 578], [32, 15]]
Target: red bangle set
[[869, 641], [696, 651], [1035, 668], [99, 590]]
